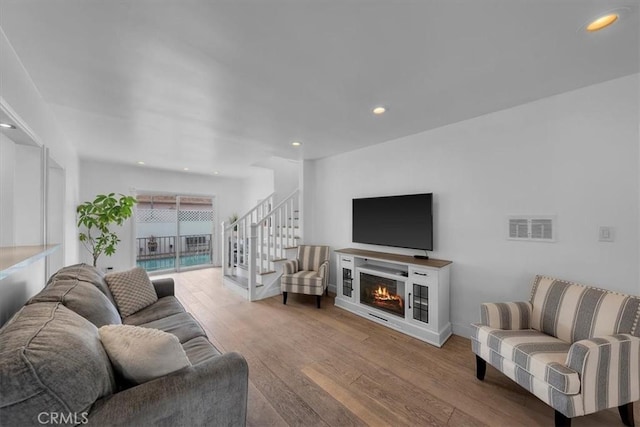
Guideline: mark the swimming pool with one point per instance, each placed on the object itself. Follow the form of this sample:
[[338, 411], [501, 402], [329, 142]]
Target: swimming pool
[[170, 263]]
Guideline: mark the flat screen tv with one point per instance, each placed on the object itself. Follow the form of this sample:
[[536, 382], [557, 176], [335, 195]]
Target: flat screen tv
[[400, 221]]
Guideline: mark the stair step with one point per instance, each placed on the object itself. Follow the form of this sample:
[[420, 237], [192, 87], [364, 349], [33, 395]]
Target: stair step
[[243, 282], [266, 272]]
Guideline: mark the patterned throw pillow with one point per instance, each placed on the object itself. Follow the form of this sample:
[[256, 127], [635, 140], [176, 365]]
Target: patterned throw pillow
[[132, 290], [142, 354]]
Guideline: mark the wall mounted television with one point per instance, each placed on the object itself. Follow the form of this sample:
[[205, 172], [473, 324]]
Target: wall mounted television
[[404, 221]]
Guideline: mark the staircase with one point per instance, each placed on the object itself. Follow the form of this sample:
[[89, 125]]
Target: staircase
[[256, 246]]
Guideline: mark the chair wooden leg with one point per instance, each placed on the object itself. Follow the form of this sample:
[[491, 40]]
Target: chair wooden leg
[[626, 413], [481, 368], [562, 421], [318, 299], [326, 291], [284, 297]]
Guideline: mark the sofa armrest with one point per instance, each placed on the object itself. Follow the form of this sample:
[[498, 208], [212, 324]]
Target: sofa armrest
[[609, 368], [506, 315], [213, 392], [164, 287], [323, 271], [290, 266]]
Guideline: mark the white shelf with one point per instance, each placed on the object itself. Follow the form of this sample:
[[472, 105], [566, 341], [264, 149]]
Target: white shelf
[[15, 258], [388, 273]]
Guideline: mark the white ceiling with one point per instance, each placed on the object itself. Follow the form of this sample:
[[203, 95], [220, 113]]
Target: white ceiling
[[218, 85]]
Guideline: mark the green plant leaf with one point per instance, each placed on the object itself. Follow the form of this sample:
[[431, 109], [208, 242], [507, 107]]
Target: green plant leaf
[[97, 217]]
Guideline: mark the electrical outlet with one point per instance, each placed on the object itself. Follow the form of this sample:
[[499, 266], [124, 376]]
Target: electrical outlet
[[606, 234]]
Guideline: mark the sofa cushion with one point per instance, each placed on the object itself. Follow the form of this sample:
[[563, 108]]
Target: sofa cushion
[[540, 355], [82, 298], [132, 290], [84, 273], [51, 360], [571, 405], [164, 307], [142, 354], [199, 349], [302, 278], [573, 312], [182, 325]]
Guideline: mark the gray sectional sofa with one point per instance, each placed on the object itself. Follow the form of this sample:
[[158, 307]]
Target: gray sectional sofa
[[54, 370]]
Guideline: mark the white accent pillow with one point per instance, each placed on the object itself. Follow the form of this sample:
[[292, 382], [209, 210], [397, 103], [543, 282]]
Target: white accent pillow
[[132, 290], [142, 354]]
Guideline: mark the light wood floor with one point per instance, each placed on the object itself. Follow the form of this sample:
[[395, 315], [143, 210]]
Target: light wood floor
[[310, 367]]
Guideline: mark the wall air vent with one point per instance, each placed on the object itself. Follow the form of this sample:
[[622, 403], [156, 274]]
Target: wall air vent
[[538, 228]]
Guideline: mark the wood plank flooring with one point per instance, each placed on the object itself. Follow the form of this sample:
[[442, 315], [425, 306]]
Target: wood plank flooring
[[328, 367]]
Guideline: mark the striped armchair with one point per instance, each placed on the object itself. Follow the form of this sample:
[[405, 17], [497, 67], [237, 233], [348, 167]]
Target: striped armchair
[[307, 274], [575, 347]]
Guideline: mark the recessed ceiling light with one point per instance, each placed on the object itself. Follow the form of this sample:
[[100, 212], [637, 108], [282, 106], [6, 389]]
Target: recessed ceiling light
[[141, 163], [7, 126], [379, 110], [296, 143], [216, 172], [602, 22], [185, 169]]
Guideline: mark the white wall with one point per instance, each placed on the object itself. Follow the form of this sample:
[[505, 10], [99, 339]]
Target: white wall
[[28, 208], [20, 97], [100, 177], [19, 92], [285, 175], [574, 155], [256, 187], [7, 171]]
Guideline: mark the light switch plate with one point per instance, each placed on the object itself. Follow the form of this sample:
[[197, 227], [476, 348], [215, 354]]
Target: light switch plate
[[606, 234]]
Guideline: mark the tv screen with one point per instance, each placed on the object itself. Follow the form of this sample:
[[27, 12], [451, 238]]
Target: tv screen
[[400, 221]]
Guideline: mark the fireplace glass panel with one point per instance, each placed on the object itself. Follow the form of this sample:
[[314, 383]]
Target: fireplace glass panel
[[383, 294], [347, 282]]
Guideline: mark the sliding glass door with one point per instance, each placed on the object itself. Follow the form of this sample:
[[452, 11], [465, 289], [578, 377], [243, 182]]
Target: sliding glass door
[[195, 229], [174, 232]]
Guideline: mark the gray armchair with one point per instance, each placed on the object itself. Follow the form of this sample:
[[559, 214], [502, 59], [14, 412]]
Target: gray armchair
[[307, 274]]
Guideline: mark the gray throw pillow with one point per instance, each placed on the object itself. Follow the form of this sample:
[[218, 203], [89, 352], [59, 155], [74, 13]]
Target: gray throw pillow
[[132, 290], [142, 354], [82, 298]]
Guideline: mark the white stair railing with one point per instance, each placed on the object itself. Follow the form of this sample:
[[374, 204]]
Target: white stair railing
[[270, 238], [253, 248], [235, 235]]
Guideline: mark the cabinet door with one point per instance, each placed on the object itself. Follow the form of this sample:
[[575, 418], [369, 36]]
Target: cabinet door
[[422, 308], [347, 282], [418, 305], [345, 277]]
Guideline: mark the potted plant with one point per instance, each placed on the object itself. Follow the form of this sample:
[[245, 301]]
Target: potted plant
[[97, 216], [233, 218], [152, 244]]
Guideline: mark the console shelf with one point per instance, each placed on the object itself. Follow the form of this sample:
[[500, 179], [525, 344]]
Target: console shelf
[[422, 285], [15, 258]]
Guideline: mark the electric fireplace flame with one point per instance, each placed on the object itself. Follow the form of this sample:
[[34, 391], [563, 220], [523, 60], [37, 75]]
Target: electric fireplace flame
[[383, 296], [382, 293]]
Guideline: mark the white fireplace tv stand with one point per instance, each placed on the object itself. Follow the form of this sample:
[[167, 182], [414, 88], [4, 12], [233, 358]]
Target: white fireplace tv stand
[[401, 292]]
